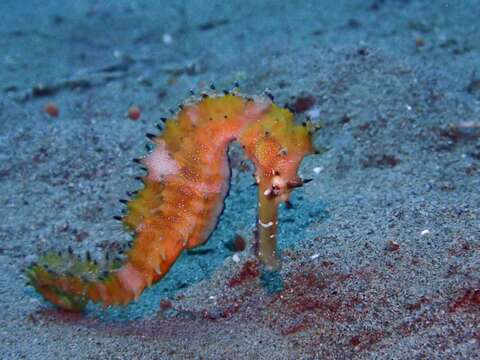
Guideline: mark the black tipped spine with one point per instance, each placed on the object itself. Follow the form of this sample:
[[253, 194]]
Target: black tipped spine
[[150, 136]]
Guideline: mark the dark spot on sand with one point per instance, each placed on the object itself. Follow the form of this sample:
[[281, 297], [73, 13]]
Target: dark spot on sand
[[301, 104], [380, 161]]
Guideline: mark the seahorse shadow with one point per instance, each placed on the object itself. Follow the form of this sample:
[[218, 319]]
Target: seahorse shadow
[[146, 309], [272, 282]]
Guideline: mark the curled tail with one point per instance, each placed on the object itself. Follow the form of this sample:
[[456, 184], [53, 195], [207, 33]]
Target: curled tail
[[70, 282]]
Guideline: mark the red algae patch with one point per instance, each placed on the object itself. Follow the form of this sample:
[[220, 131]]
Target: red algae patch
[[249, 270], [365, 340], [323, 309], [469, 300], [51, 109]]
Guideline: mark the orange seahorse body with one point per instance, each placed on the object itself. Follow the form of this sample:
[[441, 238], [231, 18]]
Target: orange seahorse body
[[178, 208]]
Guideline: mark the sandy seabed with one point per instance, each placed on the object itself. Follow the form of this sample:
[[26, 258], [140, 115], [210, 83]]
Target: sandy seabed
[[380, 251]]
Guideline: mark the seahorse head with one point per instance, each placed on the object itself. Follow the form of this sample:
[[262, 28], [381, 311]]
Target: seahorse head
[[277, 146]]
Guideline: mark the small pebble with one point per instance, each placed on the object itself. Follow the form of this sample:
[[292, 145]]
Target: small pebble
[[425, 232], [303, 103], [393, 245], [239, 243], [165, 304], [31, 258], [313, 113], [134, 113], [167, 38], [51, 109], [419, 42]]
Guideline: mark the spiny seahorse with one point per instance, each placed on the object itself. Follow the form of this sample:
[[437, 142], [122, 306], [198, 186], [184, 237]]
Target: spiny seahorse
[[187, 179]]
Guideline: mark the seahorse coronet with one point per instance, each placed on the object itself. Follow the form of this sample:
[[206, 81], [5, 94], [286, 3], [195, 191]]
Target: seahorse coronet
[[187, 180]]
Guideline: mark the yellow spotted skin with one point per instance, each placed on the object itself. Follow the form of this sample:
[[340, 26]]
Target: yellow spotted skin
[[183, 195]]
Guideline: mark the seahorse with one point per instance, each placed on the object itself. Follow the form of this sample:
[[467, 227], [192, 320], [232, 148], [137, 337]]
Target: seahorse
[[188, 176]]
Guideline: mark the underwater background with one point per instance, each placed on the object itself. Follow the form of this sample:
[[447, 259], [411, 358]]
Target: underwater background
[[380, 251]]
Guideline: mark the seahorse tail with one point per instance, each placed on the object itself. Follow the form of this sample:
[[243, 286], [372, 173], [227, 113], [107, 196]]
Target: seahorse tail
[[70, 282]]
